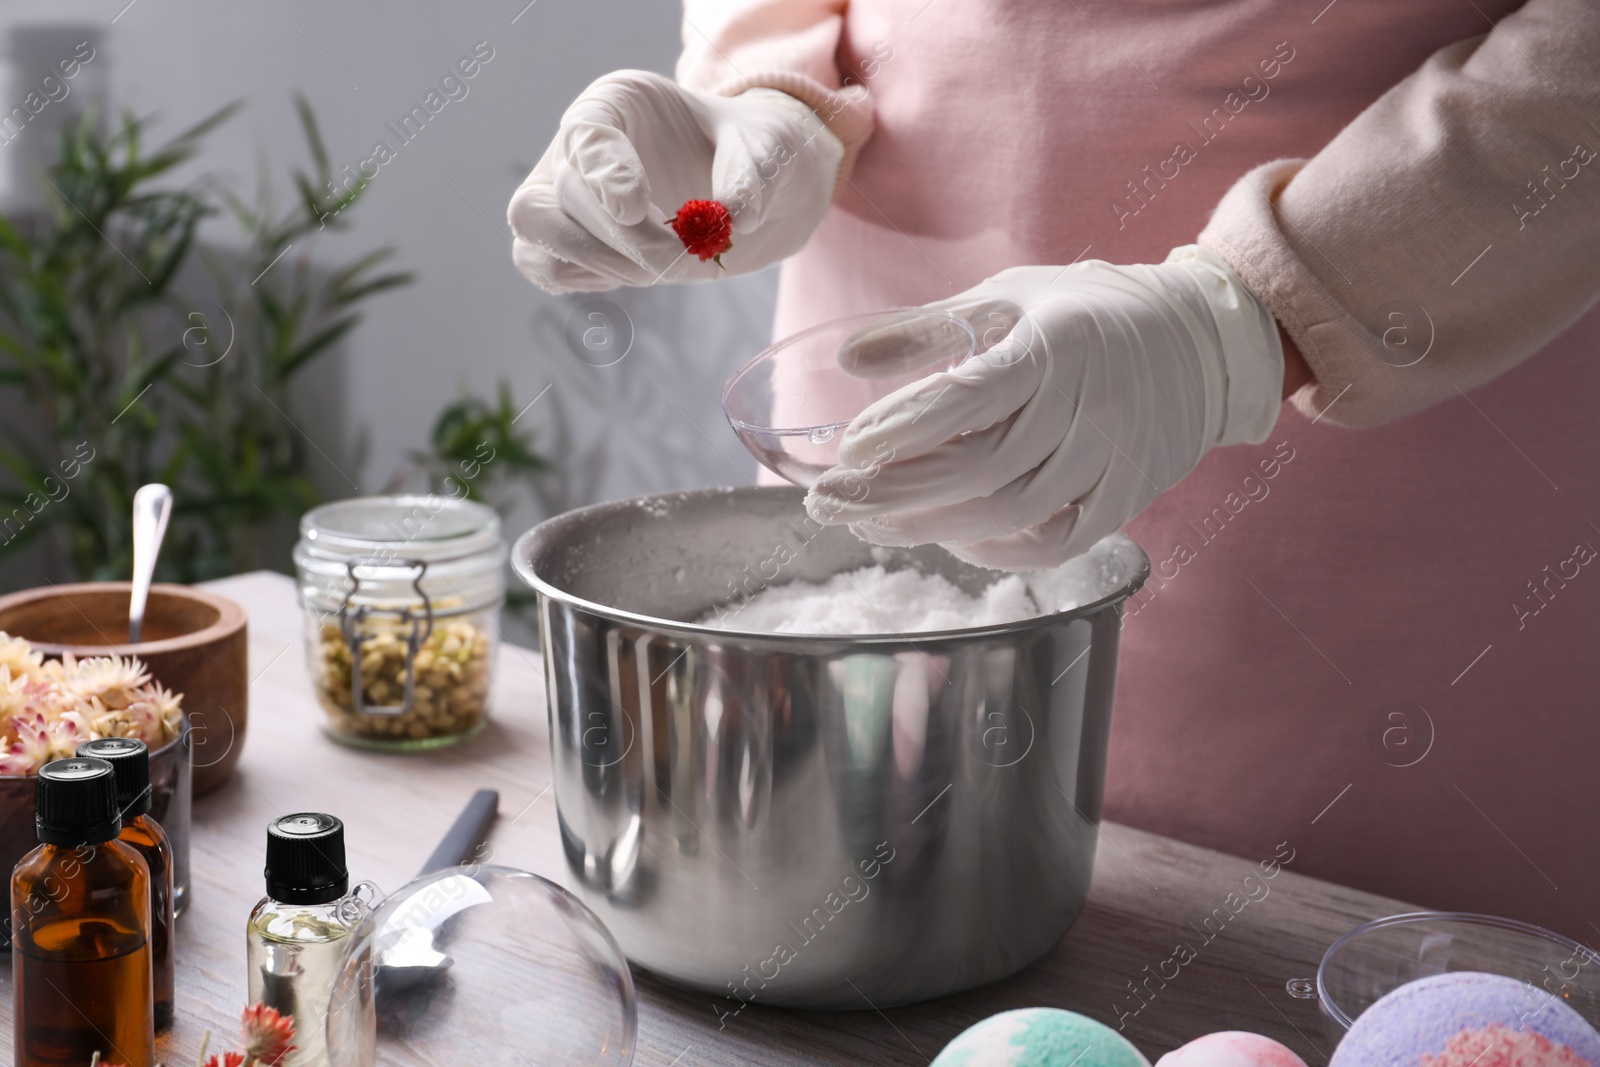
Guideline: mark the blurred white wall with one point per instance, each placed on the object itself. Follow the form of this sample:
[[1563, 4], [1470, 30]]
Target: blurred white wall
[[650, 421]]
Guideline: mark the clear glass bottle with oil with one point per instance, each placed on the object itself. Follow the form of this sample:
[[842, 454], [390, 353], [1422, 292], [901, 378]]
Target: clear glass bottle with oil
[[131, 760], [80, 907], [298, 933]]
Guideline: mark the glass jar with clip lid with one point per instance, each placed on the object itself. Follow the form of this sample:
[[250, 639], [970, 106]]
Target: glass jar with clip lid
[[401, 597]]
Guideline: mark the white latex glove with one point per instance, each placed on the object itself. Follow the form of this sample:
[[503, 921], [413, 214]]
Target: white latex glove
[[634, 147], [1101, 387]]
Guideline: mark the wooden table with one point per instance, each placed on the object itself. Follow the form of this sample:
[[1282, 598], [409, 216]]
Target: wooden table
[[1150, 893]]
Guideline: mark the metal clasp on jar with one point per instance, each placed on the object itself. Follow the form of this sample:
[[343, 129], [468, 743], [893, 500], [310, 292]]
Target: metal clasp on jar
[[419, 624]]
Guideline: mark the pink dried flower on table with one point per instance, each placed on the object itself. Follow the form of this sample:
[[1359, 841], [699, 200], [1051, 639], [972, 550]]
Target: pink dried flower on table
[[268, 1035], [268, 1039]]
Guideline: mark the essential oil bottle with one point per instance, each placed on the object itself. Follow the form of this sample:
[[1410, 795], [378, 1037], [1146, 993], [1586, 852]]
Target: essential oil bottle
[[299, 931], [80, 908], [131, 760]]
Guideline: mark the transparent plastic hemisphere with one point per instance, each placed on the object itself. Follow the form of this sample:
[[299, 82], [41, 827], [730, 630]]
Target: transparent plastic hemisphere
[[790, 403], [1377, 957], [482, 965]]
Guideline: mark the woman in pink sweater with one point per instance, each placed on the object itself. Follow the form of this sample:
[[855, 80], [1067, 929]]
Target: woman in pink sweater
[[1376, 645]]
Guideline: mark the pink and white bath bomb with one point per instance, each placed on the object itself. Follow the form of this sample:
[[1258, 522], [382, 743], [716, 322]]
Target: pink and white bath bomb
[[1231, 1048], [1469, 1019]]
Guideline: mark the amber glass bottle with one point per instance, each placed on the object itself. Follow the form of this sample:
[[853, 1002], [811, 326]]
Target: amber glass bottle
[[131, 760], [80, 913]]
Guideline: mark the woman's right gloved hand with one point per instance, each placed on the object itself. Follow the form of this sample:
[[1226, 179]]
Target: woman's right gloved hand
[[594, 213]]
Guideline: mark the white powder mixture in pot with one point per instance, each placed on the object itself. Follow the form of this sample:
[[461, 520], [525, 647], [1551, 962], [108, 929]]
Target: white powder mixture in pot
[[873, 600]]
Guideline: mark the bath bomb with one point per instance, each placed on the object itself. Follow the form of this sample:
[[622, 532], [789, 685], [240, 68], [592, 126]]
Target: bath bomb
[[1231, 1048], [1467, 1019], [1039, 1037]]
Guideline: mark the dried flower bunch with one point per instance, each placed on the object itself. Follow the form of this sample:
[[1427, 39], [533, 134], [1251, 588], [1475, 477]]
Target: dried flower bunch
[[50, 707], [268, 1041]]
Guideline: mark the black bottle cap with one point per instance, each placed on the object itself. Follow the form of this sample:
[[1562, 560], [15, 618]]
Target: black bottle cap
[[77, 802], [305, 859], [130, 758]]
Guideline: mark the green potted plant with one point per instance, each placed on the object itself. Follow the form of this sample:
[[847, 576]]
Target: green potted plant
[[144, 368]]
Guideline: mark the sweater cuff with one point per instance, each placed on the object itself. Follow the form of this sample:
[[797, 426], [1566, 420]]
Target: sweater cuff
[[1251, 353], [847, 113], [1359, 380]]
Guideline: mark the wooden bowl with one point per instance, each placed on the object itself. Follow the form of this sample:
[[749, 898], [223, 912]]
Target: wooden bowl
[[195, 644]]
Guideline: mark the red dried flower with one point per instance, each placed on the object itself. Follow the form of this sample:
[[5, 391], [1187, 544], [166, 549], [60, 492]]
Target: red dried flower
[[229, 1059], [705, 227], [268, 1036]]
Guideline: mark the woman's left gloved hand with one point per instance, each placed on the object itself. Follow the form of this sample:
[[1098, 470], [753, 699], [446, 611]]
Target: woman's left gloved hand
[[1097, 387]]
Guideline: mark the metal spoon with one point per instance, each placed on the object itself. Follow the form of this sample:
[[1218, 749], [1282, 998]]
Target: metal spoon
[[410, 959], [152, 506]]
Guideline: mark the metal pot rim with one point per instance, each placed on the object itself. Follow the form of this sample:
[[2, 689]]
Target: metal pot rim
[[521, 563]]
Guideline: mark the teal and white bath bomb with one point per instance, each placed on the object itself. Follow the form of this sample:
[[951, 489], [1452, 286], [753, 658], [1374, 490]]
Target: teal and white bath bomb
[[1039, 1037]]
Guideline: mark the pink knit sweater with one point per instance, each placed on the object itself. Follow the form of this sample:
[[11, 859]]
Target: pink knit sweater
[[1399, 622]]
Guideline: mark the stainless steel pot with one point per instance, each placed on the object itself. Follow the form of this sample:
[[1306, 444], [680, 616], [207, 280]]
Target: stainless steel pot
[[820, 822]]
